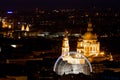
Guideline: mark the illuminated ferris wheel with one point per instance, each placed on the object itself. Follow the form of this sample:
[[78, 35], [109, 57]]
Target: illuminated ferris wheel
[[72, 63]]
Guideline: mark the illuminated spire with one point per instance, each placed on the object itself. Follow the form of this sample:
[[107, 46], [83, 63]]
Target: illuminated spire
[[27, 28], [22, 28]]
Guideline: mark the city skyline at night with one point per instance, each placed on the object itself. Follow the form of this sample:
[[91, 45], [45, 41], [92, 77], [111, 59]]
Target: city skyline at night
[[59, 39]]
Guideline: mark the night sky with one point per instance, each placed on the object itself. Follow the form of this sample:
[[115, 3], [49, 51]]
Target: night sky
[[49, 4]]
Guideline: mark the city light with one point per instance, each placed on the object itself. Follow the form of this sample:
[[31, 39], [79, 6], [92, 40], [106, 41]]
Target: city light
[[9, 12], [14, 46]]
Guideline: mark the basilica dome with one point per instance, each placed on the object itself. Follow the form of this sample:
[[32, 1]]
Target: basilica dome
[[89, 36]]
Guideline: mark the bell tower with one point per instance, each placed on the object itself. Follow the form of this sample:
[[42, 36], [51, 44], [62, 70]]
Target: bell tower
[[79, 44], [65, 44]]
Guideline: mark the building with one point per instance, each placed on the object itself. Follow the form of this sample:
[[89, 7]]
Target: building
[[88, 48], [65, 45], [72, 63], [88, 45]]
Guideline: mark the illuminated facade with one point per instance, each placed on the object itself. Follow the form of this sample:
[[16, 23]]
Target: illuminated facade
[[88, 44], [72, 63], [6, 24], [65, 45]]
